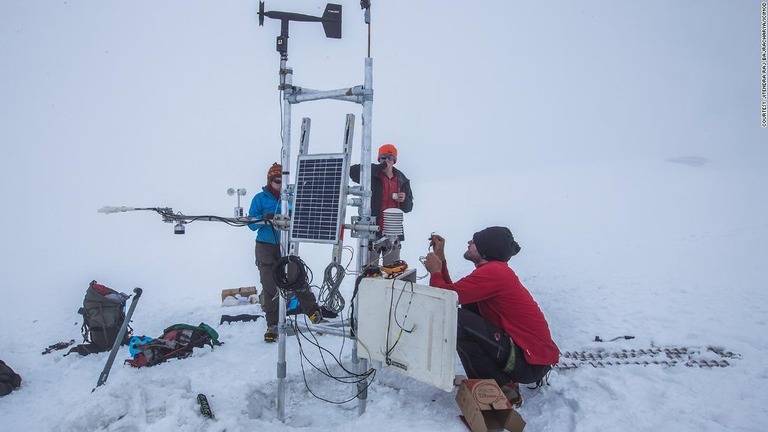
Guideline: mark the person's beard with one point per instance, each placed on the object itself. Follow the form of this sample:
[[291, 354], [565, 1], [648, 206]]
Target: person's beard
[[469, 257]]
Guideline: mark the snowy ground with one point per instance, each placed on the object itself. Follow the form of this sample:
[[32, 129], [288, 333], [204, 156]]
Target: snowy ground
[[687, 275]]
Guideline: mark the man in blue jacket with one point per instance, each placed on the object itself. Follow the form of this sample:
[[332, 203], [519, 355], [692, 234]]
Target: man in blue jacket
[[264, 206]]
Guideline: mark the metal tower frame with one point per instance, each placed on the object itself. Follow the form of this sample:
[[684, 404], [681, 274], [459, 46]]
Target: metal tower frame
[[363, 226]]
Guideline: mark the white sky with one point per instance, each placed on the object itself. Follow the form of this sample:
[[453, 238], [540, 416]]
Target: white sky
[[620, 141], [171, 103]]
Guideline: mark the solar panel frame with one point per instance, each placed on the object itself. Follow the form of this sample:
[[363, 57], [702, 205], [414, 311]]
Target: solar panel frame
[[319, 198]]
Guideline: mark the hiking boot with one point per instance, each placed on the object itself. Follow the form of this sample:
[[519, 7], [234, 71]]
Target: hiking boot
[[271, 334], [512, 392], [317, 317]]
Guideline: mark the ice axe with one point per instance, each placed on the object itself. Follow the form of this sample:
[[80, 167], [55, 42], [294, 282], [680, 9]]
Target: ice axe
[[119, 340]]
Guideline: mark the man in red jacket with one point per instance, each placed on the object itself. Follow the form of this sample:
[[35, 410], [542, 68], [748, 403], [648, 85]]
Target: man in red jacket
[[502, 333]]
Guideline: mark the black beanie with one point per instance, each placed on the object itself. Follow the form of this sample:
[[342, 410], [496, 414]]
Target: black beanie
[[496, 244]]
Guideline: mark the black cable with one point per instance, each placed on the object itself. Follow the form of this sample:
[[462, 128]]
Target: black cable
[[168, 216], [321, 349], [302, 280], [408, 309], [393, 312], [280, 95], [352, 322], [287, 285], [213, 218], [350, 378]]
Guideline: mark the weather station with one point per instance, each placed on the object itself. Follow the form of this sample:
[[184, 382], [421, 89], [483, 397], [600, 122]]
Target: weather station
[[392, 321]]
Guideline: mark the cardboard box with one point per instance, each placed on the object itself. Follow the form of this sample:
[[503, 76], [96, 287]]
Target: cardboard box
[[243, 291], [484, 407]]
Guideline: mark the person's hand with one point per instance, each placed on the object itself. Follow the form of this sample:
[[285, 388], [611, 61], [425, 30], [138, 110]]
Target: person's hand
[[268, 216], [387, 166], [438, 245], [432, 263], [400, 197]]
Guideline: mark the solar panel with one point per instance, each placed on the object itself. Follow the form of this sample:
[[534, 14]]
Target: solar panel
[[318, 200]]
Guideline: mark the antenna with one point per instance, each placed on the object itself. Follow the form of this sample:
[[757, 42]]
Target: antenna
[[331, 21]]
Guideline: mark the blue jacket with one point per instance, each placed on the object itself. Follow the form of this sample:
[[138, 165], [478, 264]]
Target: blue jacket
[[264, 202]]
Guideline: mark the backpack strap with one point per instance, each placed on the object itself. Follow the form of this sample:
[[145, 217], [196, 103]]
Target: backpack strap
[[212, 332]]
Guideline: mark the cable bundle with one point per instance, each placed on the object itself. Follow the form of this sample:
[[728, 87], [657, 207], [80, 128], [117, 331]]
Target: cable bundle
[[330, 296], [289, 285]]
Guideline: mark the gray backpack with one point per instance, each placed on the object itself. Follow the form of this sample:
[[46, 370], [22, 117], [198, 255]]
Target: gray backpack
[[103, 313]]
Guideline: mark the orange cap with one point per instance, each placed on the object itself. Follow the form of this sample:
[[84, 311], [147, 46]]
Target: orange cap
[[388, 149]]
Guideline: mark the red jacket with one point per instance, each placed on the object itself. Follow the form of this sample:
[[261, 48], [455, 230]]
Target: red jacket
[[505, 302]]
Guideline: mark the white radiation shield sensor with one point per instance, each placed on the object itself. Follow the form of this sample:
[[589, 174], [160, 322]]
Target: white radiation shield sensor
[[410, 328]]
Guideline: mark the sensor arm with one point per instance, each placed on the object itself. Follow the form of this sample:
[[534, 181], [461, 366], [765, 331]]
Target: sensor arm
[[279, 221]]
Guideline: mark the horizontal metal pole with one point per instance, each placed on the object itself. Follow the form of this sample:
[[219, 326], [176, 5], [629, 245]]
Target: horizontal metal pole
[[360, 227], [329, 328], [353, 94]]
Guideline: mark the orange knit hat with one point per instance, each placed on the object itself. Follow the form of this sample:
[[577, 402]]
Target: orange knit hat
[[276, 170], [389, 149]]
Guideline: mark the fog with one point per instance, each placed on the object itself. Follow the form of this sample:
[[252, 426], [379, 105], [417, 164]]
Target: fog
[[171, 103]]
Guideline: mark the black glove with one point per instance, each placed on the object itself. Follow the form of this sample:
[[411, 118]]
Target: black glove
[[268, 216]]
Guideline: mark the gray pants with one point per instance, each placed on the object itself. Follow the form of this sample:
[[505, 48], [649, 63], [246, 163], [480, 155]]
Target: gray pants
[[267, 255]]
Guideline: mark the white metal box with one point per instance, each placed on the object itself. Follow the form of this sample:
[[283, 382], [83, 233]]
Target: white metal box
[[410, 328]]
